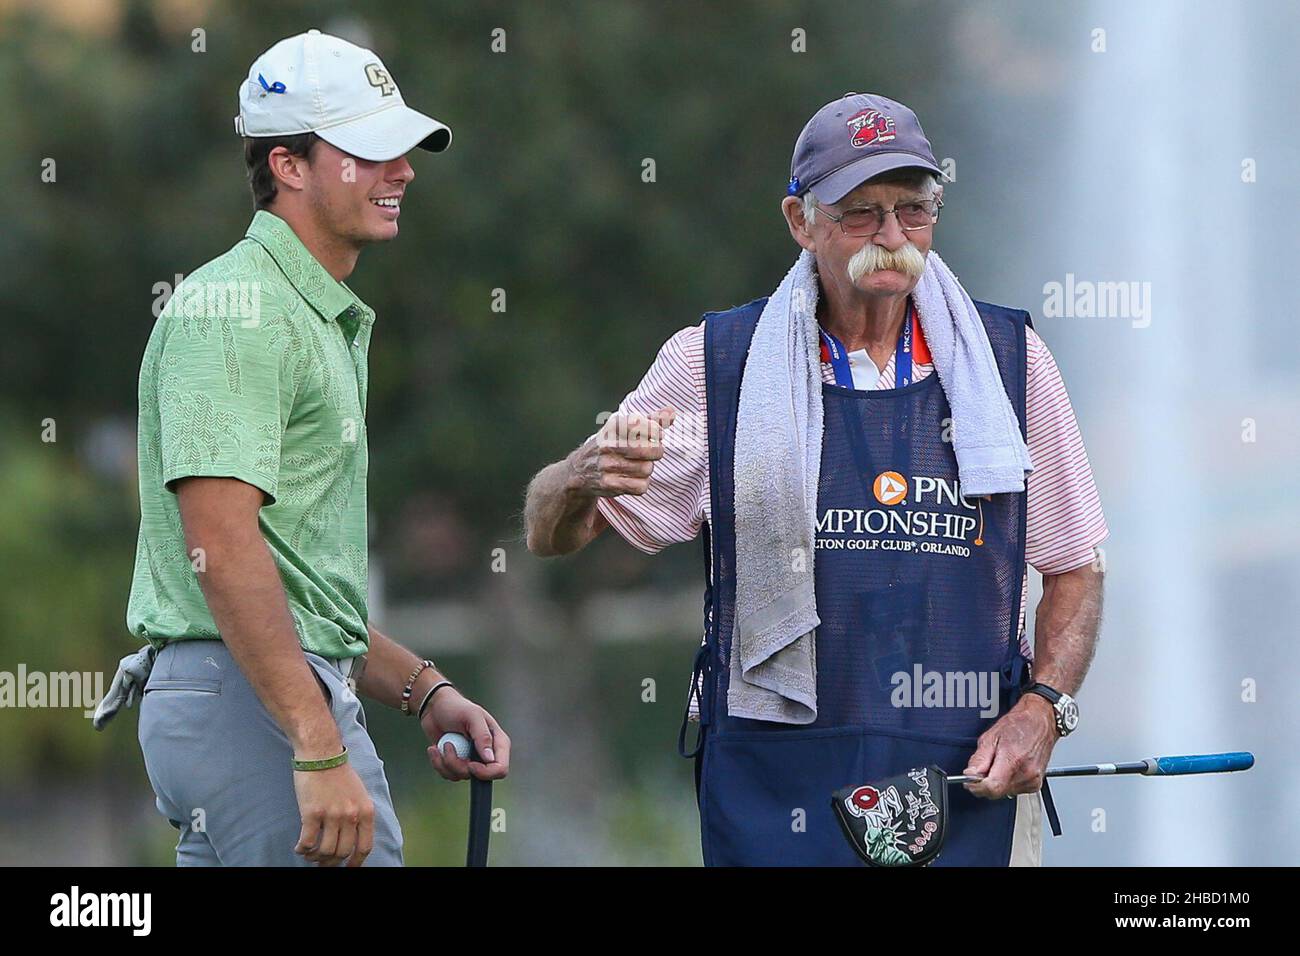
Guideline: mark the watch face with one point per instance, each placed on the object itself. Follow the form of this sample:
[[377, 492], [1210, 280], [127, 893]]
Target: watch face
[[1069, 714]]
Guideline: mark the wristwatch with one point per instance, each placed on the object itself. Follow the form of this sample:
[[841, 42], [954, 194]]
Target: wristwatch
[[1063, 706]]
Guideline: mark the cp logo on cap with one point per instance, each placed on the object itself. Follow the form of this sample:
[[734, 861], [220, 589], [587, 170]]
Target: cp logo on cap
[[378, 78], [869, 128]]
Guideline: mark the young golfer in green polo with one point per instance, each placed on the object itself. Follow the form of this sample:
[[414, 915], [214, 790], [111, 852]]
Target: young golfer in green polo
[[251, 567]]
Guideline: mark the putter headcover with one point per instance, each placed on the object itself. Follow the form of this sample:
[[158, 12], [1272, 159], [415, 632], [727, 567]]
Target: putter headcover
[[900, 821]]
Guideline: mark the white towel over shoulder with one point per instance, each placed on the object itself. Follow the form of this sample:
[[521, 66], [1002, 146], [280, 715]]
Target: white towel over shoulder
[[778, 461]]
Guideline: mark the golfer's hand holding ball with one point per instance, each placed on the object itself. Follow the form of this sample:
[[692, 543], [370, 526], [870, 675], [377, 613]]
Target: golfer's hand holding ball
[[450, 712], [622, 457]]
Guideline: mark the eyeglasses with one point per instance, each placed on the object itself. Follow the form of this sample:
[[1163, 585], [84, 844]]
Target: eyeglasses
[[865, 221]]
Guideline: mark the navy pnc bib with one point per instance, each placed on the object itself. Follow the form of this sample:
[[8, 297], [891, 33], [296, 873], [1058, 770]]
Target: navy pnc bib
[[918, 591]]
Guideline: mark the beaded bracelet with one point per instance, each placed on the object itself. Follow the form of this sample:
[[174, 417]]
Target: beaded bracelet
[[410, 685]]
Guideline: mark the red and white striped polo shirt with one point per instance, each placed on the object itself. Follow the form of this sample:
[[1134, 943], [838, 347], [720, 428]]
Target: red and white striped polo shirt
[[1064, 521]]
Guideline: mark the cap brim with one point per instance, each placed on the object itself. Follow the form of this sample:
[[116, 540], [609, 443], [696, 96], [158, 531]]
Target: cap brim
[[831, 189], [386, 135]]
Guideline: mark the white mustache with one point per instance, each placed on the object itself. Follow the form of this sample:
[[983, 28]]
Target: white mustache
[[873, 258]]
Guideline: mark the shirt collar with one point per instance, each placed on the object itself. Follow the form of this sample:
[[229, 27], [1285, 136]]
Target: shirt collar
[[329, 297]]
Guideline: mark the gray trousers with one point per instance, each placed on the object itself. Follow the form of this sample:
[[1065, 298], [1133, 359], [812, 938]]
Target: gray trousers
[[220, 765]]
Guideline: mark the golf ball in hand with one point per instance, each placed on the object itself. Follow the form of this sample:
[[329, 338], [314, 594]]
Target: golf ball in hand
[[459, 742]]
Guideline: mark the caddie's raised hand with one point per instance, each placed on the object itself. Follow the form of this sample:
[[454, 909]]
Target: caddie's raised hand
[[621, 458]]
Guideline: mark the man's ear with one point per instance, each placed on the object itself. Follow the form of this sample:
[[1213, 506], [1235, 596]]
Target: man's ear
[[800, 231], [286, 168]]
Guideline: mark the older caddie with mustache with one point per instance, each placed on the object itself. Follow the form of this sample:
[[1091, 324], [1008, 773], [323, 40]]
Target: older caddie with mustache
[[874, 458]]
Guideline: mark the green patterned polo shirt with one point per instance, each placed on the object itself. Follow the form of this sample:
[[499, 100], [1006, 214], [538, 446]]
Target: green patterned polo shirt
[[256, 370]]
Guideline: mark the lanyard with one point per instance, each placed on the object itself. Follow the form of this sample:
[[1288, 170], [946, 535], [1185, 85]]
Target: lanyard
[[833, 352]]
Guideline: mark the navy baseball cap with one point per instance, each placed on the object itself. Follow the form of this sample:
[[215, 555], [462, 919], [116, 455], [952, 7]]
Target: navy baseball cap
[[852, 139]]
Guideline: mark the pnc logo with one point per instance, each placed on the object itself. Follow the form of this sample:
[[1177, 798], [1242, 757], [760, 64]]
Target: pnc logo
[[890, 487]]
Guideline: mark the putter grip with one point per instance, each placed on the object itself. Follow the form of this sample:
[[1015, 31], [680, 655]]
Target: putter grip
[[480, 817], [1204, 763]]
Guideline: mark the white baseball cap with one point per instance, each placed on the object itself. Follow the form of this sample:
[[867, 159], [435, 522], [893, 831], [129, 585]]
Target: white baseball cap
[[317, 83]]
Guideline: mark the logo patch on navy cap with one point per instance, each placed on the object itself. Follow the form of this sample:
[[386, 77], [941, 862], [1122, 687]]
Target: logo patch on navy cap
[[870, 128]]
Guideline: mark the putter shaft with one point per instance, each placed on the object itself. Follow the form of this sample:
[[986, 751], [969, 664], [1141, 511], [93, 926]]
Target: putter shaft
[[1151, 767]]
